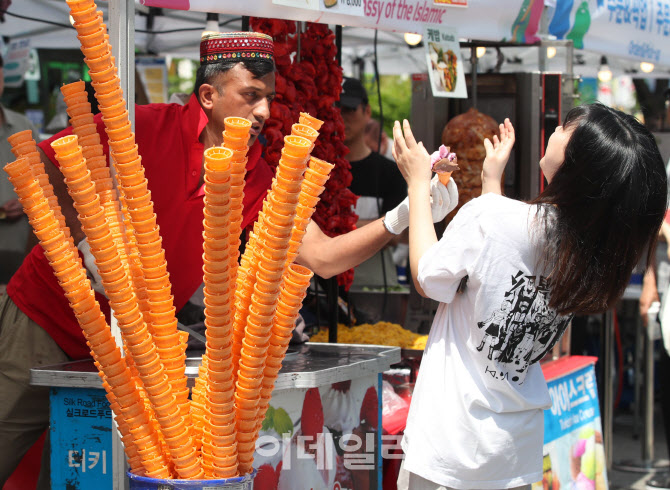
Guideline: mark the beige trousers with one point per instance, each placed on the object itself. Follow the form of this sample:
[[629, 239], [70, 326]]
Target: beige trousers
[[24, 409], [412, 481]]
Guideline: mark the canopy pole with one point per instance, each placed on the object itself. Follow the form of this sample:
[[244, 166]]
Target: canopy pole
[[473, 75], [121, 28]]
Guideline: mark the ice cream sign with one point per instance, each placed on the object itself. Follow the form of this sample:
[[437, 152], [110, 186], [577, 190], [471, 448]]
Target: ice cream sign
[[574, 455]]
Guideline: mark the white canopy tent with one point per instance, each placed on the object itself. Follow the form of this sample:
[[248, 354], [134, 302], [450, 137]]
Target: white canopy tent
[[176, 33]]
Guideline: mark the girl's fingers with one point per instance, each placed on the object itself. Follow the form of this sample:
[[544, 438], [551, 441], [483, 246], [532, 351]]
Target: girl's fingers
[[488, 146], [496, 141], [398, 139], [409, 137]]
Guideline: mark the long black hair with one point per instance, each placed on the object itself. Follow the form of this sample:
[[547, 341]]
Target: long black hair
[[259, 67], [604, 207]]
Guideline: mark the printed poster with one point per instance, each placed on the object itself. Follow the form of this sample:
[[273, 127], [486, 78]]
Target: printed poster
[[574, 455], [324, 438], [153, 74], [445, 67]]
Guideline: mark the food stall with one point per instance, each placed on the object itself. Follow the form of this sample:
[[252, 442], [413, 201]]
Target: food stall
[[334, 386], [383, 15]]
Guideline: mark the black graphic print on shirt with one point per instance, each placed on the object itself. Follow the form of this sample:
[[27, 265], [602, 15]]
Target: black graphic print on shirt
[[522, 330]]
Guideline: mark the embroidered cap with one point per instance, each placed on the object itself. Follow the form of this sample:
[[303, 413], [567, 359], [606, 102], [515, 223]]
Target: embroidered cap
[[222, 46]]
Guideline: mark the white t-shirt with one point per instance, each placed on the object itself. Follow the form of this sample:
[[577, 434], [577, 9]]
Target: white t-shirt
[[476, 417]]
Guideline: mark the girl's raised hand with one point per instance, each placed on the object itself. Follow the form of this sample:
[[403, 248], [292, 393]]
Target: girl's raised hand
[[412, 158], [497, 155]]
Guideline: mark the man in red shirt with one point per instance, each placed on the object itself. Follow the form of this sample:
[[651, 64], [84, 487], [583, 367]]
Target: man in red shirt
[[37, 327]]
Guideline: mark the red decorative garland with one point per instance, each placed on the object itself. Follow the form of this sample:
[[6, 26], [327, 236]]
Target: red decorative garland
[[297, 92]]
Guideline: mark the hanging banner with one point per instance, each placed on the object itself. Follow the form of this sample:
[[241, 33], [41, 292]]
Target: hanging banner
[[637, 30], [17, 62], [445, 67], [475, 22]]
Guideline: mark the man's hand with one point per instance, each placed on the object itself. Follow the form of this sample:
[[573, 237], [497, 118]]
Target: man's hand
[[443, 199], [12, 209], [91, 268], [497, 155]]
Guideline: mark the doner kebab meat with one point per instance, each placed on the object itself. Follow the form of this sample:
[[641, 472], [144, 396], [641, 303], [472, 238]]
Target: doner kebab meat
[[465, 135]]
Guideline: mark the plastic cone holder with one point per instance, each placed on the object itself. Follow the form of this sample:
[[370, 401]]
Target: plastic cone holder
[[297, 145], [158, 306], [151, 244], [95, 38], [25, 136], [287, 188], [237, 126], [300, 274], [144, 226], [157, 284], [316, 177], [217, 159], [101, 68], [138, 190], [75, 98], [139, 201], [246, 400], [80, 113], [308, 201], [310, 121], [130, 167], [281, 219], [84, 130], [65, 145], [107, 87], [250, 372], [212, 187], [82, 7], [291, 172], [84, 28], [122, 146], [319, 166], [122, 132], [305, 131], [115, 109], [235, 143], [214, 254]]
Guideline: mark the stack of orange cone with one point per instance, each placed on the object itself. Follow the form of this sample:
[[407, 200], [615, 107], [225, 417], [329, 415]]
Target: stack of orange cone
[[219, 451], [293, 291], [271, 252], [23, 145], [312, 186], [124, 303], [133, 184], [84, 127], [72, 278]]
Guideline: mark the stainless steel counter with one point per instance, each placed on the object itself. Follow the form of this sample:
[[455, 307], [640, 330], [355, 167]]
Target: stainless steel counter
[[306, 366]]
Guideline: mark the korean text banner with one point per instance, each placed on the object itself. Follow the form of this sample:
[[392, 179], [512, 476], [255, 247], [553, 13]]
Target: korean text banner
[[574, 455], [475, 22], [637, 30]]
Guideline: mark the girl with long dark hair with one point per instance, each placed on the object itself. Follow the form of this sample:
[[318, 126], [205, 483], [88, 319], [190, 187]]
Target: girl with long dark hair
[[476, 418]]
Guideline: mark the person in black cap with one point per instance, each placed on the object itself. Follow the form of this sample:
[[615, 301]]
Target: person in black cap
[[375, 179]]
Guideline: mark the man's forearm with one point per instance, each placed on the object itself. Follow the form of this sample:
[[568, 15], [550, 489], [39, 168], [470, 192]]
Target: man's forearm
[[328, 256]]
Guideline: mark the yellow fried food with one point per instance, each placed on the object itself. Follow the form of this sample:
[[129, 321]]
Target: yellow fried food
[[381, 333]]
